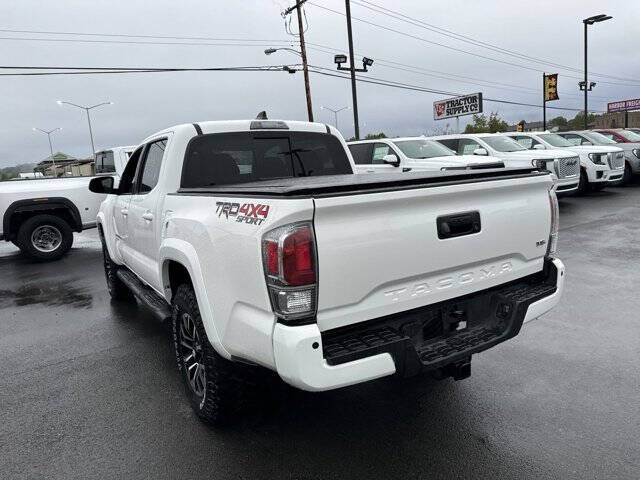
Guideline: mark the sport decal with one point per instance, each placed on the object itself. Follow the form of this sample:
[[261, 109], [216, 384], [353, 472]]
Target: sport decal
[[251, 213]]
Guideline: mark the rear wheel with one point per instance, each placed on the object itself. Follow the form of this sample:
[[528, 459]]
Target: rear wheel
[[44, 237], [215, 386]]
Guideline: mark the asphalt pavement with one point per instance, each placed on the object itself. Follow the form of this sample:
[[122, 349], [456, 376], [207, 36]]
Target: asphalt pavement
[[89, 388]]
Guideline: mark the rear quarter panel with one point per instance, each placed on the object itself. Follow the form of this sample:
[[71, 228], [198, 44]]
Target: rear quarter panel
[[222, 251]]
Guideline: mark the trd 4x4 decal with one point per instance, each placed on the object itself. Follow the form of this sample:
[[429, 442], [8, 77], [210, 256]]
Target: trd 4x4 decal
[[251, 213]]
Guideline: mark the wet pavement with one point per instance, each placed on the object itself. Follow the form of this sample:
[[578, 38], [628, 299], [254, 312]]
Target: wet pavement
[[89, 388]]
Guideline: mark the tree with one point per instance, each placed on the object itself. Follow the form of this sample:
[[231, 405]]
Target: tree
[[375, 136], [577, 122], [480, 124], [496, 124], [559, 122]]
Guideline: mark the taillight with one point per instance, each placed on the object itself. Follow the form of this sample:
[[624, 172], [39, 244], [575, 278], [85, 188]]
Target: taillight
[[289, 260], [555, 222]]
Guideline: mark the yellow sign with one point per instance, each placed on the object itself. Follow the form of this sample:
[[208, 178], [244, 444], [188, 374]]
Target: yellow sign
[[551, 87]]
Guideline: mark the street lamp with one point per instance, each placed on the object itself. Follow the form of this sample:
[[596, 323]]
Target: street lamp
[[335, 113], [307, 86], [86, 109], [48, 134], [586, 85]]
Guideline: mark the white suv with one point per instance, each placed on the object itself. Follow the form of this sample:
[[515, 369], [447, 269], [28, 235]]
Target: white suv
[[413, 154], [596, 163], [563, 165]]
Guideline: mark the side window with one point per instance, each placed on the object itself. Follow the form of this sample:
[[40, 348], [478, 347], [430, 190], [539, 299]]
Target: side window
[[526, 142], [379, 151], [610, 136], [467, 146], [151, 166], [126, 180], [573, 138], [361, 153], [451, 144]]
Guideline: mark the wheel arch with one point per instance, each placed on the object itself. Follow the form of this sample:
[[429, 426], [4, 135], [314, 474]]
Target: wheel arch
[[20, 210], [178, 260]]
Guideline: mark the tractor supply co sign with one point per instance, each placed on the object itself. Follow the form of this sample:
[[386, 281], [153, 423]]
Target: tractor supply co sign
[[624, 105], [457, 106]]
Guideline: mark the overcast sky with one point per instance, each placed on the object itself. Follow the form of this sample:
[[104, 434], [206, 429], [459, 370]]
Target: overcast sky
[[147, 102]]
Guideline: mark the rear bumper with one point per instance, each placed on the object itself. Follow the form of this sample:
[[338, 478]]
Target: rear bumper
[[422, 339]]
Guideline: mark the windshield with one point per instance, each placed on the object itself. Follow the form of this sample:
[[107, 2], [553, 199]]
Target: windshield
[[629, 135], [503, 144], [419, 149], [597, 138], [555, 140]]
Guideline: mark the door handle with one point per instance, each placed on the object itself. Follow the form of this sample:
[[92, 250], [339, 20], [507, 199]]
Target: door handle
[[124, 211], [147, 216]]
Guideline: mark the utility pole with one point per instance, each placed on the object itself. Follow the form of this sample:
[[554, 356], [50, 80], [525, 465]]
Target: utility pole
[[303, 52], [589, 86], [354, 94], [544, 102]]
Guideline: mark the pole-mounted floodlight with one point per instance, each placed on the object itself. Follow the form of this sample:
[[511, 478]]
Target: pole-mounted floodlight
[[86, 109], [48, 134], [585, 85]]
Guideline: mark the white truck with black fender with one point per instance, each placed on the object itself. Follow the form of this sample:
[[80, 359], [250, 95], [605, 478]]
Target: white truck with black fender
[[264, 251], [39, 216]]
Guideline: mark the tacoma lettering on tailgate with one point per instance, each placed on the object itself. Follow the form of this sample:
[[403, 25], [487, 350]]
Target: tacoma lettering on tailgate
[[451, 281]]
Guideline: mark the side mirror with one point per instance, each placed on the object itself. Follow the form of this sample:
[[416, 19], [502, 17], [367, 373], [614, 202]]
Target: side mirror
[[538, 146], [391, 160], [480, 151], [102, 185]]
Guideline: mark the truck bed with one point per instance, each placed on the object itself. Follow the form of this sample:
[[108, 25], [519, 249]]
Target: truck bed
[[341, 185]]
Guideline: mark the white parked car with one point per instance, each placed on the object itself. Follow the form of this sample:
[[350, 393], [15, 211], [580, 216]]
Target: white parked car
[[596, 163], [563, 165], [388, 155], [264, 250], [39, 216]]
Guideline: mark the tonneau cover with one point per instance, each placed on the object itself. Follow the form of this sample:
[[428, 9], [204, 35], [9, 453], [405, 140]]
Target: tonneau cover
[[331, 185]]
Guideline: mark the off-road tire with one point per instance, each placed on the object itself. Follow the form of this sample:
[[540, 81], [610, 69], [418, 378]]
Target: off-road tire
[[117, 289], [583, 185], [39, 223], [226, 383], [628, 175]]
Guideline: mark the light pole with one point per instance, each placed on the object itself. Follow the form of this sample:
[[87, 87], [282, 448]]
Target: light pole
[[586, 86], [307, 87], [86, 109], [335, 113], [48, 134]]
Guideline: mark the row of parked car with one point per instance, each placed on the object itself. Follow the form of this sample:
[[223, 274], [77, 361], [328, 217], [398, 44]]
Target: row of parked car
[[580, 161]]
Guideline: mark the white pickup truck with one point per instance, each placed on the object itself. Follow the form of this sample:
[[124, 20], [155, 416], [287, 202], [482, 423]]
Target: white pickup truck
[[39, 216], [563, 165], [596, 163], [415, 154], [264, 250]]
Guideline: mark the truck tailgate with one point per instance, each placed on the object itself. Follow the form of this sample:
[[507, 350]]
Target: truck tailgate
[[380, 253]]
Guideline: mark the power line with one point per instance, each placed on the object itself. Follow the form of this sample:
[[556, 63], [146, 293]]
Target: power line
[[467, 39], [127, 35], [136, 42], [449, 47], [444, 75], [419, 88], [116, 70]]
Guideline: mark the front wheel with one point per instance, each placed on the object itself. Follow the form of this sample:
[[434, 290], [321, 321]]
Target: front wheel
[[215, 386], [628, 174], [117, 289], [583, 186], [45, 237]]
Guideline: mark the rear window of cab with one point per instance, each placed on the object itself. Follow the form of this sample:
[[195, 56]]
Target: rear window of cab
[[241, 157]]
